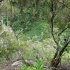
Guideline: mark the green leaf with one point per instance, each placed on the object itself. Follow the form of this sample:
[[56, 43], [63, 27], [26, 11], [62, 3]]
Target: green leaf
[[48, 0]]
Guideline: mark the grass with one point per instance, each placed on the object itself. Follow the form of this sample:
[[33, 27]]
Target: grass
[[37, 66]]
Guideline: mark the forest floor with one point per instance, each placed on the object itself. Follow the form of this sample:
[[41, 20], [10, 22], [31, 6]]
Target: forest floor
[[64, 66], [11, 65], [18, 64]]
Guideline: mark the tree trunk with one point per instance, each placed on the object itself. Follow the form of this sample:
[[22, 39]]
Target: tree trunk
[[55, 61]]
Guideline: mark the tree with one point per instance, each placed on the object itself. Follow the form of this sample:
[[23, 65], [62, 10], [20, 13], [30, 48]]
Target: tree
[[58, 20], [58, 16]]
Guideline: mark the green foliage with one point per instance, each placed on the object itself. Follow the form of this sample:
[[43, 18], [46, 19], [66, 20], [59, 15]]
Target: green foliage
[[7, 52], [7, 43], [0, 26], [20, 24], [40, 30], [33, 16], [17, 25], [66, 57], [37, 66], [48, 0]]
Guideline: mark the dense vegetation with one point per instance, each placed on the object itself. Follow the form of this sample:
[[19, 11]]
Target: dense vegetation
[[35, 29]]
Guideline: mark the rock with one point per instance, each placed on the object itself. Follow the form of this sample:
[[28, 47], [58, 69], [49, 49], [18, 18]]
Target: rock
[[31, 62], [16, 63]]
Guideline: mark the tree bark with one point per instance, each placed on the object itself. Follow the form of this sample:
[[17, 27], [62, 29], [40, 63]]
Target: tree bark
[[57, 57], [55, 61]]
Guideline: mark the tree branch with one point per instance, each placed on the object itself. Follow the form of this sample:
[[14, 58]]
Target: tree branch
[[52, 22], [62, 31], [63, 48], [63, 4]]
